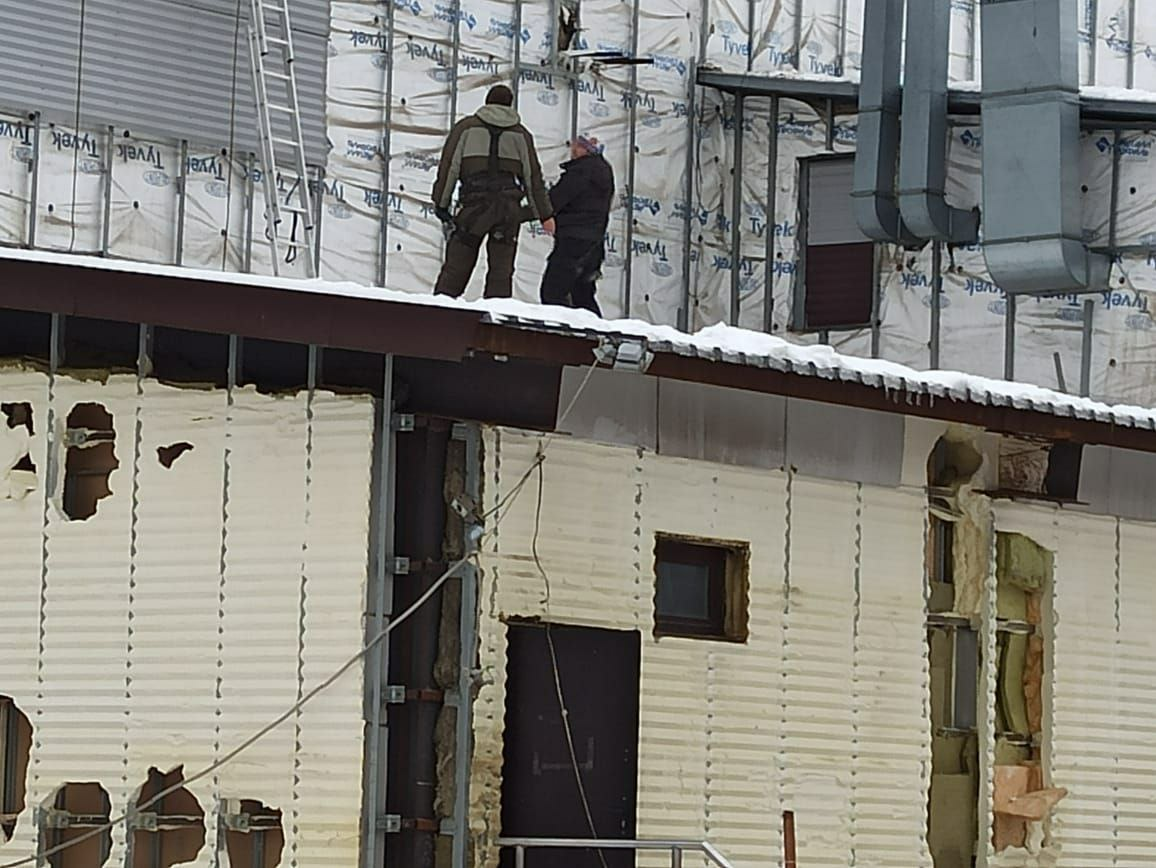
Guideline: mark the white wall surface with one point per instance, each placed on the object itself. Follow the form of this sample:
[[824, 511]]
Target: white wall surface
[[198, 604], [821, 712]]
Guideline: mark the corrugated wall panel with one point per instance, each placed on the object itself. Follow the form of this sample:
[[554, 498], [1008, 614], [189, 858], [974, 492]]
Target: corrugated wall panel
[[330, 751], [21, 540], [893, 747], [732, 734], [1136, 723], [818, 652], [1085, 686], [162, 68], [711, 714], [265, 527], [85, 629], [175, 593], [582, 537]]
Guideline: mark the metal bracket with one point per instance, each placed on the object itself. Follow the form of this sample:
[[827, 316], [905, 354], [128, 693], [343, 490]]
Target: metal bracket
[[401, 566], [465, 507], [146, 821], [82, 438], [389, 823], [237, 822], [395, 694], [404, 422]]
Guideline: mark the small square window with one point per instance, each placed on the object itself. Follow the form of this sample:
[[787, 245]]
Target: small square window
[[700, 588]]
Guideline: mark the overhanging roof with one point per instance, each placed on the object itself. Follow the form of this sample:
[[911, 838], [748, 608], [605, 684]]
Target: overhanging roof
[[349, 316]]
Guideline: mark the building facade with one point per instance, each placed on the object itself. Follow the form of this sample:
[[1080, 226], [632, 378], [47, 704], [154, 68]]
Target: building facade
[[384, 580]]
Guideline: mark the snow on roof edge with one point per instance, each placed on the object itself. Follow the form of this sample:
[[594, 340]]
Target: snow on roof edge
[[718, 342]]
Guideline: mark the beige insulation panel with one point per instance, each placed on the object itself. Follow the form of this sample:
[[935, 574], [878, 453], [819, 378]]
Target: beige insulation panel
[[196, 605], [822, 711], [1100, 693]]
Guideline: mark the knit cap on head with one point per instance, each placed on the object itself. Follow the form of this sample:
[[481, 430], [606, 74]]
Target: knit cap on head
[[589, 144]]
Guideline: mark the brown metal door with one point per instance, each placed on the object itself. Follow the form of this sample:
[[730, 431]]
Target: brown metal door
[[598, 672]]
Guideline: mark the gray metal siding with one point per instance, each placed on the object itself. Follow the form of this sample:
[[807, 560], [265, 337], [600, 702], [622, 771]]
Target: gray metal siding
[[829, 216], [159, 68]]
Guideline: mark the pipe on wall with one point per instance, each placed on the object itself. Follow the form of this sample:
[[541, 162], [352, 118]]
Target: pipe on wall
[[873, 198], [923, 153], [1033, 232]]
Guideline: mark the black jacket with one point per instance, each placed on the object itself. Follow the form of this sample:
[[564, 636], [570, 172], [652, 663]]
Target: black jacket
[[582, 198]]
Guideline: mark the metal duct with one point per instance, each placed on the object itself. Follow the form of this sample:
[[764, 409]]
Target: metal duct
[[923, 159], [1033, 234], [873, 195]]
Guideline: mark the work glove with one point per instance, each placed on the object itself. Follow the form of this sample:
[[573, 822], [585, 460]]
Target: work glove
[[447, 221]]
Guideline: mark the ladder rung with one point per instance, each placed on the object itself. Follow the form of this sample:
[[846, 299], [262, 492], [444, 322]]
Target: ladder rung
[[281, 108], [276, 40], [277, 75], [280, 10], [292, 143]]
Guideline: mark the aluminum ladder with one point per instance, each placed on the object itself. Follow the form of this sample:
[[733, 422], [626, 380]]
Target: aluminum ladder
[[288, 223]]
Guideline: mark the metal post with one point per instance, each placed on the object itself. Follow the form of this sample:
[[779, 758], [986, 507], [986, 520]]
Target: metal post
[[106, 193], [1086, 349], [1060, 380], [633, 157], [798, 286], [789, 856], [771, 217], [1114, 193], [737, 212], [797, 36], [750, 34], [34, 181], [675, 857], [1131, 74], [519, 857], [380, 598], [691, 170], [386, 150], [182, 202], [1009, 340], [144, 352], [936, 300], [553, 30], [517, 50], [258, 848], [876, 301], [830, 124], [1095, 55], [250, 166], [318, 203], [842, 59]]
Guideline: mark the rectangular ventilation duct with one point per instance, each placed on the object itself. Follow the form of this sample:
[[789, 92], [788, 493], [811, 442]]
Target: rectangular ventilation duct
[[1032, 228]]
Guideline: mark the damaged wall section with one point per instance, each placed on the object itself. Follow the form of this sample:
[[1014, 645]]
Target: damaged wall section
[[178, 619]]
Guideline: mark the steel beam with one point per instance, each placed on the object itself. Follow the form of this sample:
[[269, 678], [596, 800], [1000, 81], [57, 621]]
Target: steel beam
[[737, 211]]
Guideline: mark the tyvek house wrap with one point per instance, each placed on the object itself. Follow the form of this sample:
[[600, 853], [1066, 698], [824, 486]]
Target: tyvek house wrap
[[400, 73], [196, 605]]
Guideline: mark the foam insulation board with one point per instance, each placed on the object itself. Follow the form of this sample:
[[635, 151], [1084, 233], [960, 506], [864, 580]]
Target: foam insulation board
[[393, 92], [196, 605], [803, 716]]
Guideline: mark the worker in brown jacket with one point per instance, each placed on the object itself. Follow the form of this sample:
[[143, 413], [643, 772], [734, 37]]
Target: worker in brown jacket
[[493, 157]]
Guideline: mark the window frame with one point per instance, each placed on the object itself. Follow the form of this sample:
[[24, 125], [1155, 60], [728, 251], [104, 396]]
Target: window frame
[[798, 320], [727, 564]]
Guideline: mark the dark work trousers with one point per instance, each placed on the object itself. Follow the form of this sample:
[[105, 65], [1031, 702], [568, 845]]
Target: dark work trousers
[[492, 217], [571, 271]]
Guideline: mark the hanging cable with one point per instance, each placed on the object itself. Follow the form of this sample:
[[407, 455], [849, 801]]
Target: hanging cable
[[76, 123], [499, 513]]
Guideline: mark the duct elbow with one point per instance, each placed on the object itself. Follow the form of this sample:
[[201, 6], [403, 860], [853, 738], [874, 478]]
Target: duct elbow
[[1046, 266], [879, 219], [927, 214]]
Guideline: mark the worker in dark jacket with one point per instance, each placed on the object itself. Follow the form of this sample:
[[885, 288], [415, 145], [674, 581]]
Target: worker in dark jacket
[[493, 157], [581, 201]]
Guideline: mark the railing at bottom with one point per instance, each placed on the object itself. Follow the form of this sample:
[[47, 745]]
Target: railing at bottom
[[675, 848]]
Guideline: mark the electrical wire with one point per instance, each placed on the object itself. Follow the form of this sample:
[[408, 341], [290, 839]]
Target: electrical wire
[[563, 711], [261, 733], [506, 502], [76, 123]]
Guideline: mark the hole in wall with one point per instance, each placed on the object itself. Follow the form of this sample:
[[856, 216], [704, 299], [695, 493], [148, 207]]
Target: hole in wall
[[19, 416], [15, 750], [166, 455], [254, 837], [71, 813], [89, 461], [179, 832]]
